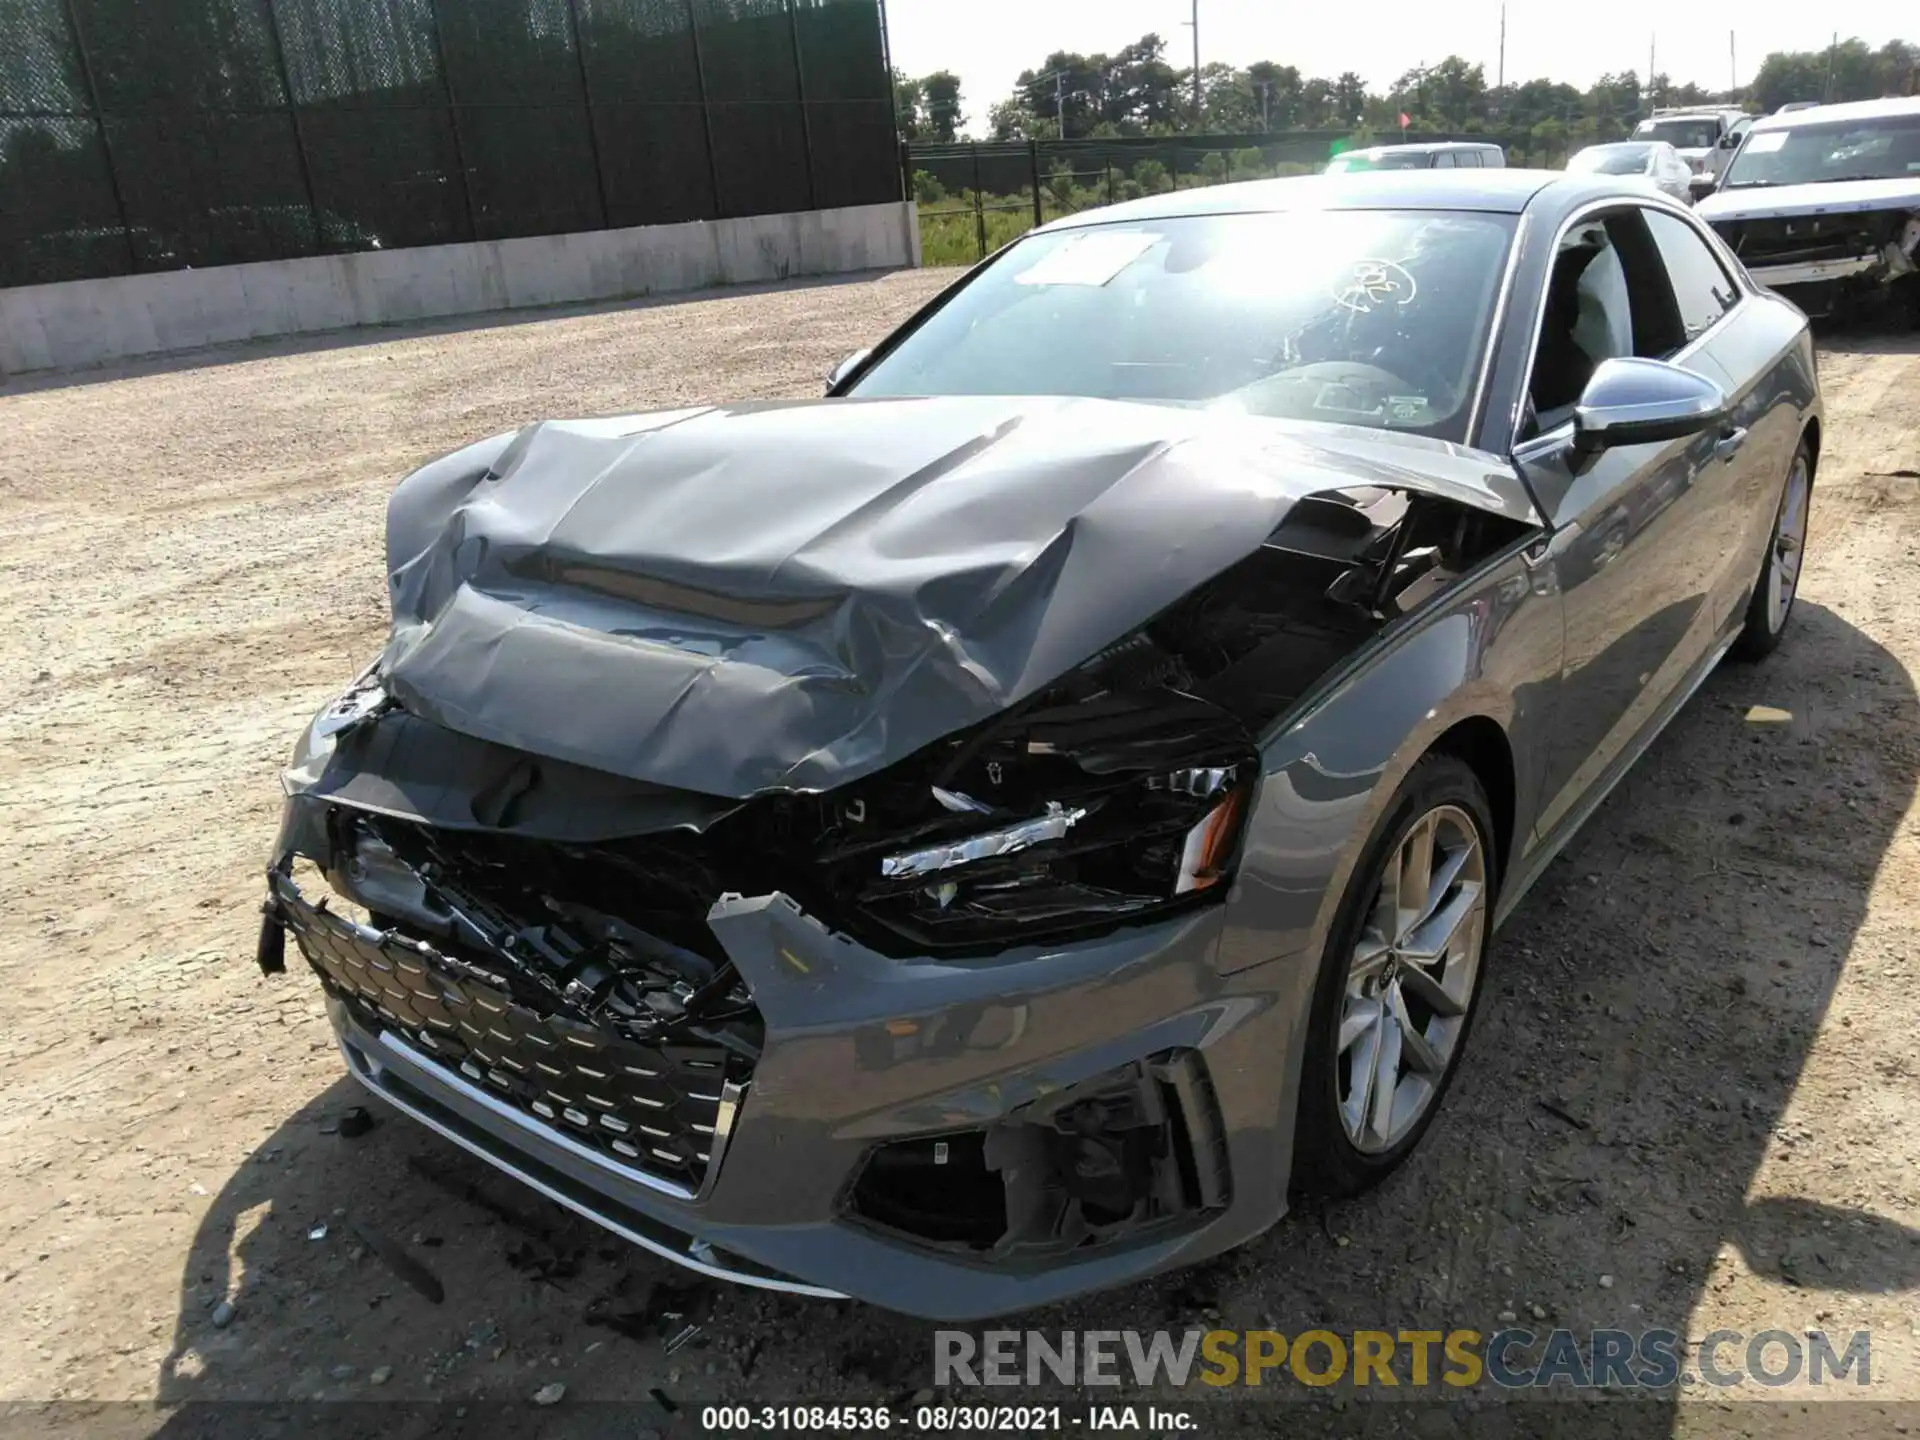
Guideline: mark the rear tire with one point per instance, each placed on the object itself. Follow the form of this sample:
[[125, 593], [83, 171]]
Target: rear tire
[[1392, 1008], [1771, 605]]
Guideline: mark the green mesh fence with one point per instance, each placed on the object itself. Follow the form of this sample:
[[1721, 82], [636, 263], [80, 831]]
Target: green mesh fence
[[153, 134]]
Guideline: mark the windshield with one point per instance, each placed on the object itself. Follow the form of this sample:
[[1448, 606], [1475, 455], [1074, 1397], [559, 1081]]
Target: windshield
[[1390, 159], [1883, 149], [1695, 133], [1612, 159], [1364, 317]]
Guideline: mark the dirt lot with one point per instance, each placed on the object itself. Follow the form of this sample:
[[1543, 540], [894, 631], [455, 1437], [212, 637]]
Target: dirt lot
[[1714, 991]]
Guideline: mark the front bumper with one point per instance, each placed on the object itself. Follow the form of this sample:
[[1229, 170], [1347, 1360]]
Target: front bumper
[[1815, 271], [863, 1050]]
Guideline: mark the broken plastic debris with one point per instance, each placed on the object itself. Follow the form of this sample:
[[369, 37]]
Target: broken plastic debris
[[355, 1122], [318, 1232], [682, 1338], [1768, 715]]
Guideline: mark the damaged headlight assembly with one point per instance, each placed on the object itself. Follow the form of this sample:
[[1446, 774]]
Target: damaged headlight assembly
[[1064, 819]]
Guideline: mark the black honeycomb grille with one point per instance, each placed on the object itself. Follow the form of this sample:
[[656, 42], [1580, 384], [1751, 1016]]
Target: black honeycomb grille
[[654, 1108]]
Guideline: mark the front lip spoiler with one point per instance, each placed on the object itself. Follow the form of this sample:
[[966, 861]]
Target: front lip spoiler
[[404, 1078]]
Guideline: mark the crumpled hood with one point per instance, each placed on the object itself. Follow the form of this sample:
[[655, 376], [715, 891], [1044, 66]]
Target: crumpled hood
[[1827, 197], [793, 595]]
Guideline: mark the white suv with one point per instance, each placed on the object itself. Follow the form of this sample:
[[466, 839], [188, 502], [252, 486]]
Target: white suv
[[1706, 139]]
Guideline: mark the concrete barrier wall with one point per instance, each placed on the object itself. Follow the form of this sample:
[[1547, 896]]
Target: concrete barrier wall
[[85, 322]]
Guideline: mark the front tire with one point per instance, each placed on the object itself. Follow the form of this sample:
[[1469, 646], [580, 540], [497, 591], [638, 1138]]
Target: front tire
[[1399, 982], [1771, 605]]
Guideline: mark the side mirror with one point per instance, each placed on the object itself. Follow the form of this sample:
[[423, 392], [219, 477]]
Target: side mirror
[[1630, 401], [845, 368], [1702, 186], [1729, 142]]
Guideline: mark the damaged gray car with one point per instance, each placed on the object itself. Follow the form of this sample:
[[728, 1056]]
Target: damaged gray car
[[996, 830]]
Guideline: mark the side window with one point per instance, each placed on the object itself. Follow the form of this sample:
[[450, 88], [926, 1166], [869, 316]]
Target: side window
[[1608, 297], [1443, 160], [1702, 290], [1468, 159]]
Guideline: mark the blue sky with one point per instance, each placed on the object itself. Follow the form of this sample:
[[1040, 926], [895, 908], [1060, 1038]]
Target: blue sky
[[989, 42]]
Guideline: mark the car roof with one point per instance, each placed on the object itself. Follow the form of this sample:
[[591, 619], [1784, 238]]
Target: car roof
[[1503, 192], [1851, 110], [1426, 147]]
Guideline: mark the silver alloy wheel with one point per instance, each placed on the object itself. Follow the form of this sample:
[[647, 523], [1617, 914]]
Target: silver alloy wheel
[[1411, 979], [1789, 544]]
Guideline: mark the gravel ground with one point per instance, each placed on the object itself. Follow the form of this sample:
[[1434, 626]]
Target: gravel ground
[[1690, 1101]]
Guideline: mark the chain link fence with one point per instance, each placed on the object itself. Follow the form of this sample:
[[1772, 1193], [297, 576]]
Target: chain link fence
[[141, 135], [974, 197]]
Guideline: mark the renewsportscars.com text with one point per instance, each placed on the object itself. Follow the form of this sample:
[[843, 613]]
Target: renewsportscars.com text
[[1511, 1358]]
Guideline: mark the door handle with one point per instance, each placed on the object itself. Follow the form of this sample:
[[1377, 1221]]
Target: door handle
[[1728, 445]]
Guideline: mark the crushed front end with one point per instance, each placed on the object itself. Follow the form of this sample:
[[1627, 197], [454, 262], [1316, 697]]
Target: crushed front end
[[835, 903], [1832, 263], [954, 1018]]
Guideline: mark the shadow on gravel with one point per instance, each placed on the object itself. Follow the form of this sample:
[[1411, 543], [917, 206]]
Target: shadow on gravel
[[1653, 1006], [324, 340], [1892, 332]]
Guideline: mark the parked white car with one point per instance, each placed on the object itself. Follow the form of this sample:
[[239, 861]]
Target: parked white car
[[1421, 155], [1654, 161], [1704, 138]]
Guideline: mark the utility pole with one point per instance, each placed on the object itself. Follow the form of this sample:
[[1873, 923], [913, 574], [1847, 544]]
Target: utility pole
[[1733, 72], [1195, 22], [1826, 91], [1652, 42], [1500, 73], [1060, 101], [1265, 87]]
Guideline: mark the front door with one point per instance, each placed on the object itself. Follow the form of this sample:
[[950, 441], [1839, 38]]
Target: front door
[[1631, 547]]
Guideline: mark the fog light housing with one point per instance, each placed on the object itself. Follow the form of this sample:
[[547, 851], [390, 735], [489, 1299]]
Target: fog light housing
[[1136, 1149]]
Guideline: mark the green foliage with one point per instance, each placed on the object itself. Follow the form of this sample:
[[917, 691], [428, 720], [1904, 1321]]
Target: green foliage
[[1152, 178], [1846, 71], [927, 189], [928, 109], [1138, 91]]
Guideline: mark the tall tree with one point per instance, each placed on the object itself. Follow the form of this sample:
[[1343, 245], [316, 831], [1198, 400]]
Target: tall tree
[[940, 95], [1349, 98]]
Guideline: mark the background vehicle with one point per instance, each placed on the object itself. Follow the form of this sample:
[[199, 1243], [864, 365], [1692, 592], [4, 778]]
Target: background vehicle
[[1824, 204], [1793, 105], [1421, 155], [989, 832], [1654, 161], [1703, 138]]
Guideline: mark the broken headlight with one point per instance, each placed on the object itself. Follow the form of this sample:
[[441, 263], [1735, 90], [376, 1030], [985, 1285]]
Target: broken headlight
[[362, 700], [1061, 821]]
